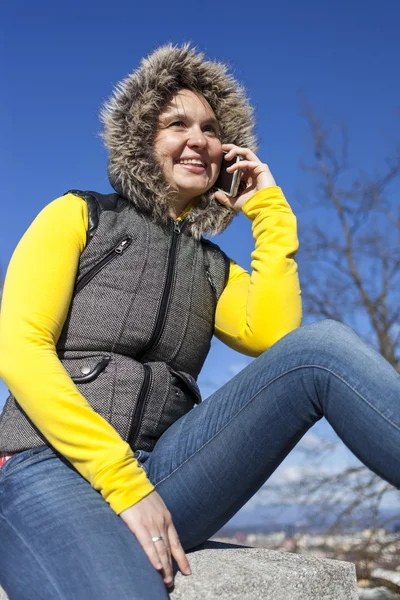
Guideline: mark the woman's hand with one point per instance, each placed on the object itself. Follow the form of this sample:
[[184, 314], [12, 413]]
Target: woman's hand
[[149, 518], [255, 174]]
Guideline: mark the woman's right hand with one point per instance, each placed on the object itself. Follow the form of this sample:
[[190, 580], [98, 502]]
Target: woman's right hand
[[149, 518]]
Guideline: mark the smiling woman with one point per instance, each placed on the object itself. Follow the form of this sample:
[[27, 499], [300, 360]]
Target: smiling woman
[[112, 473]]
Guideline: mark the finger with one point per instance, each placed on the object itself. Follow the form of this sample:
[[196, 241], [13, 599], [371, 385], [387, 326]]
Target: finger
[[255, 167], [221, 197], [149, 547], [178, 552], [164, 553], [233, 150], [224, 199]]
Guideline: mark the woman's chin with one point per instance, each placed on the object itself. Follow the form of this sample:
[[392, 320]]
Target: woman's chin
[[189, 194]]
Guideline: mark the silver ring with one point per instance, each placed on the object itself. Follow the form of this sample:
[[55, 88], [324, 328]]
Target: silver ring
[[158, 538]]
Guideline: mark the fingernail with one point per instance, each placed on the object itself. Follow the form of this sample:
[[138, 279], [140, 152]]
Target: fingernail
[[159, 566], [188, 572]]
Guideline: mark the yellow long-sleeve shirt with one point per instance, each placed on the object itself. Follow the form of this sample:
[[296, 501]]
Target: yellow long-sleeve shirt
[[253, 312]]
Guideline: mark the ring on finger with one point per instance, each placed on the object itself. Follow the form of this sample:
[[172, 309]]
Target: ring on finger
[[157, 538]]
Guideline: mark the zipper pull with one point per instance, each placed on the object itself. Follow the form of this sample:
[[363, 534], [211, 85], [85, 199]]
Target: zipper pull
[[123, 245], [177, 226]]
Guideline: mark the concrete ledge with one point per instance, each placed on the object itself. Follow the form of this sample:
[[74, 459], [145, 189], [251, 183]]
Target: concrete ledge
[[224, 571], [228, 572]]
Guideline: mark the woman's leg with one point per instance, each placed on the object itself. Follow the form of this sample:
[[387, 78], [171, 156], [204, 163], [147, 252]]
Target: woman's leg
[[60, 540], [211, 461]]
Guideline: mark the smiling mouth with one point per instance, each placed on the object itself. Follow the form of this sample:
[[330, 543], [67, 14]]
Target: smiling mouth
[[192, 161]]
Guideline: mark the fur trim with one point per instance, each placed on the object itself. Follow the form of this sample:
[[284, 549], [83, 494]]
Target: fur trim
[[129, 125]]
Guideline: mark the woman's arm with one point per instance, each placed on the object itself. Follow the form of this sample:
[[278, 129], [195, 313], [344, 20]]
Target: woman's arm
[[37, 293], [254, 311]]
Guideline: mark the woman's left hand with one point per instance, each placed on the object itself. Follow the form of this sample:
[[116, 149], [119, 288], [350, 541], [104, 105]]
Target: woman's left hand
[[255, 174]]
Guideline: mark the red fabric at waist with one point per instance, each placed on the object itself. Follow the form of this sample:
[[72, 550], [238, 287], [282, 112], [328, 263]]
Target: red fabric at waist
[[4, 456]]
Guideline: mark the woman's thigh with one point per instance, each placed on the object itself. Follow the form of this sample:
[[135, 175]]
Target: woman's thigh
[[60, 539], [211, 461]]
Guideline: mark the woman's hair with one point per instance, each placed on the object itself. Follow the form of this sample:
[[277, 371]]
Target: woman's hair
[[130, 120]]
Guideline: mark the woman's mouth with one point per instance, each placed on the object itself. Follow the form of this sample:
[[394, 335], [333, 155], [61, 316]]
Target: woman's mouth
[[193, 165]]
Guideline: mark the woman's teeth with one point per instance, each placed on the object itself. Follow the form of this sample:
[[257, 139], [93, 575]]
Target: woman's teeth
[[192, 161]]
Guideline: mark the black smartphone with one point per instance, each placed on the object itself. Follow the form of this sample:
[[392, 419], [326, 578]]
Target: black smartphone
[[229, 182]]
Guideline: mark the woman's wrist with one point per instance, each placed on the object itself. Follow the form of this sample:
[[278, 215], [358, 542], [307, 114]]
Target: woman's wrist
[[268, 201]]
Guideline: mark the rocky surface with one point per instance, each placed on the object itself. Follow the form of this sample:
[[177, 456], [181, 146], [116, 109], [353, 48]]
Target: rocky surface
[[223, 571]]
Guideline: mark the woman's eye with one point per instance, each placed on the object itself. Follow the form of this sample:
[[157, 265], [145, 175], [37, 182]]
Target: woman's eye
[[210, 129], [177, 124]]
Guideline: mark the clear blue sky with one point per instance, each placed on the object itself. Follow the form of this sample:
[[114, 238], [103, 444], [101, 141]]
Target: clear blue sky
[[61, 60]]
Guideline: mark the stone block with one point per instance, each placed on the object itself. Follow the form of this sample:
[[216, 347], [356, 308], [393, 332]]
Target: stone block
[[224, 571]]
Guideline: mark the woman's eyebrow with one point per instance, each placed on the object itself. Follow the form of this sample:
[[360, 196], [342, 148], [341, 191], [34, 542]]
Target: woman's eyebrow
[[173, 115], [179, 116]]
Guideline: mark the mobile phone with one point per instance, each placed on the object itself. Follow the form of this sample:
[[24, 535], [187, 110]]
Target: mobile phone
[[229, 182]]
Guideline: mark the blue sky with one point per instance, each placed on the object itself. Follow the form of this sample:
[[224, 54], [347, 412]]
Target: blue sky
[[64, 58]]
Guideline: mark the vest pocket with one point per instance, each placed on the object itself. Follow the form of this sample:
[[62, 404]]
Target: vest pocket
[[84, 369], [176, 405], [167, 398], [90, 372], [94, 378], [118, 250], [186, 383]]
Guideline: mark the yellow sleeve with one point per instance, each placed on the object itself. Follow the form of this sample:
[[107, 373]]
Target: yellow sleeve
[[36, 297], [255, 311]]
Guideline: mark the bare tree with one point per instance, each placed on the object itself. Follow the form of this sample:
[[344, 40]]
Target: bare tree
[[351, 260], [350, 271]]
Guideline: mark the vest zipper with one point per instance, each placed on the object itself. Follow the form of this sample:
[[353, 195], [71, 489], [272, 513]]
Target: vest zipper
[[155, 337], [138, 413], [117, 251], [162, 312], [210, 281]]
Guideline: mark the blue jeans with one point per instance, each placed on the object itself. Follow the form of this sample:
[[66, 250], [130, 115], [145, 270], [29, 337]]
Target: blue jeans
[[61, 540]]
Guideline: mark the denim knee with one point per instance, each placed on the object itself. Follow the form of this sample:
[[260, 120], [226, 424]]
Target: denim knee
[[312, 343], [327, 330]]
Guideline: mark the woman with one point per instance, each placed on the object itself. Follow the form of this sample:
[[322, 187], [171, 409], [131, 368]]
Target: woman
[[109, 471]]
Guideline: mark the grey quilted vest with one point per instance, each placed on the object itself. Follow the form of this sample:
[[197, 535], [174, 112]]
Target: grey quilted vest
[[139, 325]]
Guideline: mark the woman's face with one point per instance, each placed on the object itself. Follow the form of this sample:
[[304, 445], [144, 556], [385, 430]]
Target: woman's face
[[187, 145]]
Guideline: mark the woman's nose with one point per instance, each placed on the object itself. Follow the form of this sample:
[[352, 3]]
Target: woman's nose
[[196, 139]]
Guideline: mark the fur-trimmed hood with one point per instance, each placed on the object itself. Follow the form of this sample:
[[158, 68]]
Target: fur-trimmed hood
[[130, 119]]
